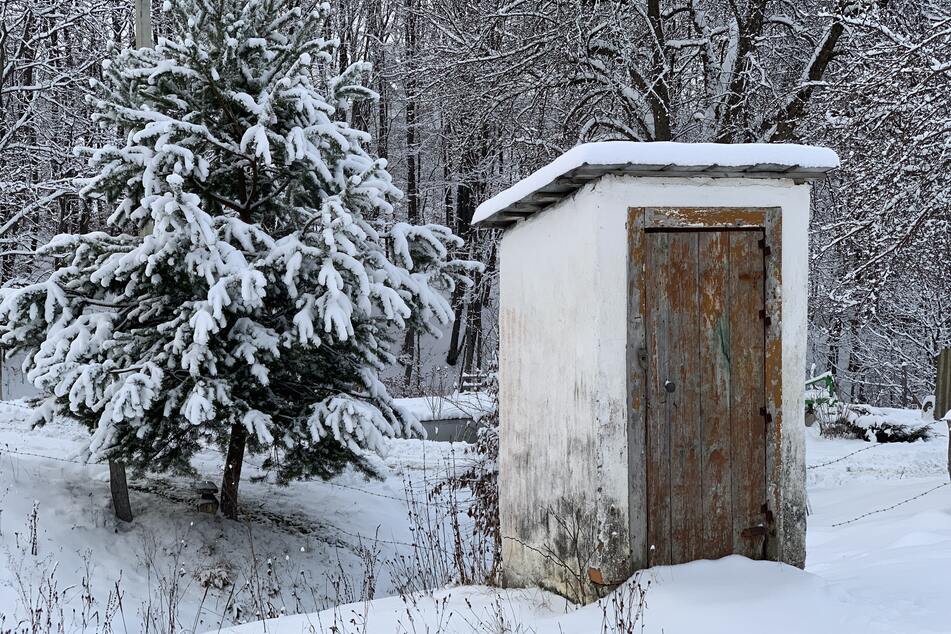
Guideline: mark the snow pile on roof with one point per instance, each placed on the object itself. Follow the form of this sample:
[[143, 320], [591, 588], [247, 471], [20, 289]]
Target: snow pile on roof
[[657, 156]]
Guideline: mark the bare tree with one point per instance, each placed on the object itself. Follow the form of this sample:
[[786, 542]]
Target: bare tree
[[881, 248]]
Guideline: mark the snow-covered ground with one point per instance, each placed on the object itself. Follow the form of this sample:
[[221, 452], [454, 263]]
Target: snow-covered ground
[[305, 547], [885, 572], [896, 562], [299, 548]]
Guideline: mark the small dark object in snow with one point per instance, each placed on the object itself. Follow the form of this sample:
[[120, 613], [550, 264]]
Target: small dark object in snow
[[209, 499]]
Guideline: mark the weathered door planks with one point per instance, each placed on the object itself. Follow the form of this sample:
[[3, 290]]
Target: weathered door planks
[[658, 430], [706, 436], [681, 409], [747, 392], [714, 370]]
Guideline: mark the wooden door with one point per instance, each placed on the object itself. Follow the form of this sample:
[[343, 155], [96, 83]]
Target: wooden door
[[706, 429]]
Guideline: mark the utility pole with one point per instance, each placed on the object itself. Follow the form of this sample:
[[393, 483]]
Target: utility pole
[[143, 23], [118, 484]]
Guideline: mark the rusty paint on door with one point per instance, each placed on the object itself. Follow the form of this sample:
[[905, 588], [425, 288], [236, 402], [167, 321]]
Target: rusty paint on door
[[705, 392]]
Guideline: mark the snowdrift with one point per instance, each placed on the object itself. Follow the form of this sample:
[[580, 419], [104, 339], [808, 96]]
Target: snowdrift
[[728, 596]]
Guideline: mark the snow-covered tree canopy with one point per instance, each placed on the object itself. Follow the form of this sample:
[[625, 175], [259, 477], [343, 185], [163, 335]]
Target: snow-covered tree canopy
[[246, 277]]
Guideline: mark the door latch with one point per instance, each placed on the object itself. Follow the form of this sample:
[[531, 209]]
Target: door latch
[[754, 531], [642, 357]]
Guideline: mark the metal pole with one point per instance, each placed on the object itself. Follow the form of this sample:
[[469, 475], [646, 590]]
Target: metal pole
[[143, 23]]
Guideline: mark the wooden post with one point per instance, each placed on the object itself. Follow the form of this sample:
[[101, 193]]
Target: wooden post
[[942, 394], [143, 23]]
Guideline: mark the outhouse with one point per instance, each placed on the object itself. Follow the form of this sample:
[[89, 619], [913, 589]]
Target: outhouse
[[652, 358]]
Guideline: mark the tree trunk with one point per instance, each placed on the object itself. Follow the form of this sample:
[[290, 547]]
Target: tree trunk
[[659, 95], [143, 23], [942, 394], [904, 384], [455, 337], [835, 334], [735, 105], [784, 122], [411, 359], [465, 208], [117, 480], [120, 490], [473, 337], [412, 176], [232, 477], [383, 114]]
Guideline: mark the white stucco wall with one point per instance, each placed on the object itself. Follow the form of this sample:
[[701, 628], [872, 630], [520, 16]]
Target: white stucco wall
[[549, 305], [563, 359]]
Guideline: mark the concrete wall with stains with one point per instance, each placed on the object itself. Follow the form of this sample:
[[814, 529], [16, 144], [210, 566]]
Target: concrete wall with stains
[[549, 358], [563, 368]]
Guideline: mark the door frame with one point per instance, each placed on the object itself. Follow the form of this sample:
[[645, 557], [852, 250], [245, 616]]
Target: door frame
[[640, 220]]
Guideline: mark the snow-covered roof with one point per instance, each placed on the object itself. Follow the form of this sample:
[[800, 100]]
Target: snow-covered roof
[[590, 161]]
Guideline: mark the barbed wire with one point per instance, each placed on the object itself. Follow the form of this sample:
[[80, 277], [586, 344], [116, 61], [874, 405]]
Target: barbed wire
[[893, 506], [37, 455], [459, 506], [848, 455], [878, 444]]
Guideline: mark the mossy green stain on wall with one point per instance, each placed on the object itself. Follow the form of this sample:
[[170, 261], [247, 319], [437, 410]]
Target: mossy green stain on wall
[[723, 334]]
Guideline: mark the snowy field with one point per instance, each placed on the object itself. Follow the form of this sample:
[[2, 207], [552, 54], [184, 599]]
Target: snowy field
[[299, 548], [307, 547]]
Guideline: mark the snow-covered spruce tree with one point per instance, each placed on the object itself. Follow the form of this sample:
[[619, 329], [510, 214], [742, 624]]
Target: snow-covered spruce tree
[[243, 293]]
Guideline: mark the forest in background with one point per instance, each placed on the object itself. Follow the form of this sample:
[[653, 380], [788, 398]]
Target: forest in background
[[475, 95]]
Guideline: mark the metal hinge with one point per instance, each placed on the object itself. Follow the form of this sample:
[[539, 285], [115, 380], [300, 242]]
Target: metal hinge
[[767, 514], [765, 414], [765, 249], [765, 318]]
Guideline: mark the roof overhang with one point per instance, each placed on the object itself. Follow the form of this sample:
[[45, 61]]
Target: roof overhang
[[586, 163]]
